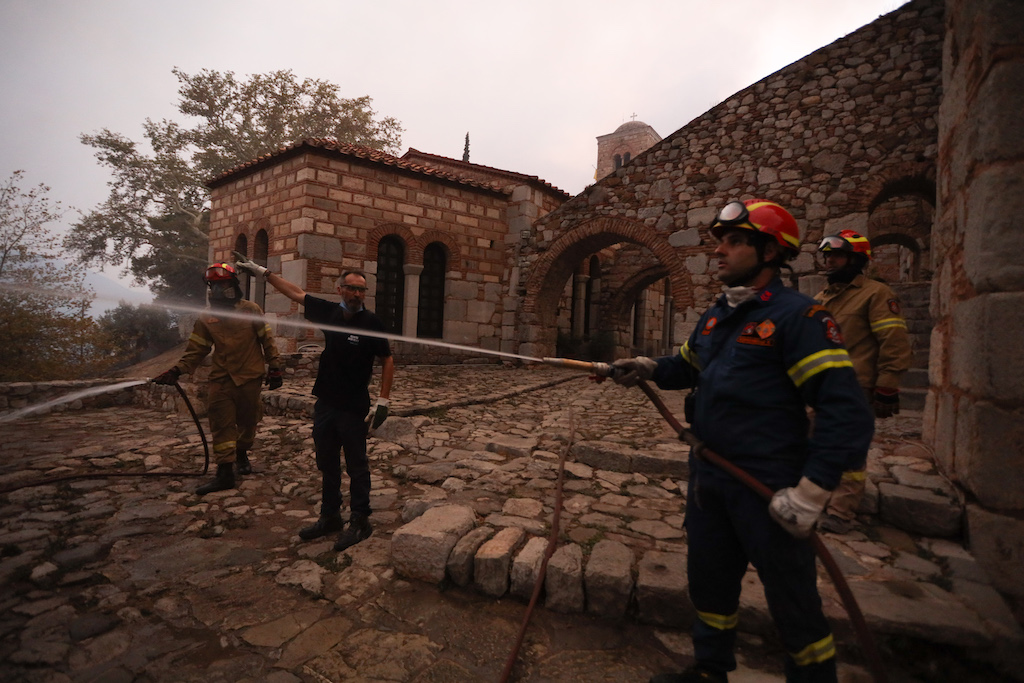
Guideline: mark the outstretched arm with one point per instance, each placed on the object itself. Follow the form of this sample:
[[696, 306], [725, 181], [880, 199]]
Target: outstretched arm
[[292, 291]]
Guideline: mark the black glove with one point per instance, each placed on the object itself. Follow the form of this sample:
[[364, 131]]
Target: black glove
[[274, 378], [887, 402], [169, 377]]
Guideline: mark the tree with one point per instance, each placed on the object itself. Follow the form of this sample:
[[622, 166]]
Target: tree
[[139, 332], [45, 329], [465, 150], [155, 220]]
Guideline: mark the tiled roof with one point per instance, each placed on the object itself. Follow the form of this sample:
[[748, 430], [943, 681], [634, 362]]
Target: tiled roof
[[358, 151], [512, 175]]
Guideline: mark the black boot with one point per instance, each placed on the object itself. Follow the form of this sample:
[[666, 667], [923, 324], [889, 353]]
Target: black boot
[[358, 529], [242, 461], [695, 674], [222, 481], [322, 527]]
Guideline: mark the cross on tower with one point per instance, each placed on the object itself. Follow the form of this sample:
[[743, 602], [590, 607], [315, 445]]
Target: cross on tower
[[633, 117]]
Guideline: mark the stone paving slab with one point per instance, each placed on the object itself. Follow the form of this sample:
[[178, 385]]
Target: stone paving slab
[[115, 578]]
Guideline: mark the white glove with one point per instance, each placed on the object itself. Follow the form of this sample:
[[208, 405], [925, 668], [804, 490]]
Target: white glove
[[629, 371], [249, 265], [378, 413], [797, 508]]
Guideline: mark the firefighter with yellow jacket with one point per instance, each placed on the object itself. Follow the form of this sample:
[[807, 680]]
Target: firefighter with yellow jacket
[[242, 345], [869, 315]]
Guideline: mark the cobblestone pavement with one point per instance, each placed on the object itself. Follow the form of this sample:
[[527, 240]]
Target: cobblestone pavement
[[122, 577]]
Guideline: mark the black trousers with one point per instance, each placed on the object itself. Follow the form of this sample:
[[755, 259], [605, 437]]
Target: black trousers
[[335, 431]]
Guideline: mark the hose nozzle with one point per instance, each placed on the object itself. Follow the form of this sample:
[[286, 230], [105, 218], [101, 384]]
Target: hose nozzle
[[598, 369]]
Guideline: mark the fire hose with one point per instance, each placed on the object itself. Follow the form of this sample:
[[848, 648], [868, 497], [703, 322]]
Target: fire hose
[[105, 475], [699, 450]]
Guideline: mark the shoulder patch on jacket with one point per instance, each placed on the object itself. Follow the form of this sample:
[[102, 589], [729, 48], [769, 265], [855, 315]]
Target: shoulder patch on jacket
[[894, 305], [831, 327], [815, 310]]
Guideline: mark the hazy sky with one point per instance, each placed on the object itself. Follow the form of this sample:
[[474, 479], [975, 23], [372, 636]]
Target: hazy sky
[[533, 83]]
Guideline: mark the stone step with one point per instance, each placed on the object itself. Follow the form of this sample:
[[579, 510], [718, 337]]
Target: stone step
[[915, 378]]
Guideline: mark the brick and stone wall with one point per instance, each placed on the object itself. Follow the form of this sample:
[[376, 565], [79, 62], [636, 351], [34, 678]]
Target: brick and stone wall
[[325, 211], [830, 137]]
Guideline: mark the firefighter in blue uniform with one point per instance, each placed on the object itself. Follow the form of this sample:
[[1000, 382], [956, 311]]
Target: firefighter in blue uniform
[[757, 358]]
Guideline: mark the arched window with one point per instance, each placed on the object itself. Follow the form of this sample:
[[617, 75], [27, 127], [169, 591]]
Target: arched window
[[430, 320], [390, 283], [260, 251], [625, 158], [617, 162], [242, 247]]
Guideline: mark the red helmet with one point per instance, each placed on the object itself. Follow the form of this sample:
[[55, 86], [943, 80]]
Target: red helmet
[[221, 272], [762, 216], [848, 241]]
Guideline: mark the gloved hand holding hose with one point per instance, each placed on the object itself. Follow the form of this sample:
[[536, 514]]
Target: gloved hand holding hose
[[168, 377], [378, 413], [630, 371], [797, 508]]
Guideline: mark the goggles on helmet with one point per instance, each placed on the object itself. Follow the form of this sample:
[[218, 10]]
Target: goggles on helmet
[[834, 243], [732, 215], [220, 272]]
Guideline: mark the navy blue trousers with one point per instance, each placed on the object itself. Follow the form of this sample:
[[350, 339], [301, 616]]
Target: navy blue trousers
[[728, 526]]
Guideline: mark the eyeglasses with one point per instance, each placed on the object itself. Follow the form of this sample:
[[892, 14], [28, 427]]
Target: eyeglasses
[[732, 215], [354, 288]]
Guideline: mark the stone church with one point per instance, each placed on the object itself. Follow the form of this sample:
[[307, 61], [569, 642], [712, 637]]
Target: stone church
[[906, 130]]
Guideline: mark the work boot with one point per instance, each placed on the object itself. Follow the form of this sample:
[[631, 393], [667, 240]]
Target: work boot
[[222, 481], [694, 674], [359, 529], [322, 527], [242, 461]]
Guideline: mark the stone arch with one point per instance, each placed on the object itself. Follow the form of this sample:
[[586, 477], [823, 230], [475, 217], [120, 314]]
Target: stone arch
[[396, 229], [618, 306], [454, 253], [556, 265], [907, 178]]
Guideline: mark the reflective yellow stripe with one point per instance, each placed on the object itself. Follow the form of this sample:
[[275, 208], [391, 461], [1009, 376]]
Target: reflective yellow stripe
[[886, 323], [264, 331], [689, 356], [722, 622], [224, 447], [815, 653], [855, 475], [202, 341], [816, 362]]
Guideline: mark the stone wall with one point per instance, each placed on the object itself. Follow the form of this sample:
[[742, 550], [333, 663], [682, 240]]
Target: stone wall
[[974, 417], [829, 137]]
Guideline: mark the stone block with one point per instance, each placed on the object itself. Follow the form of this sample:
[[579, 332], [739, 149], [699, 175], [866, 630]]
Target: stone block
[[698, 264], [609, 579], [919, 511], [513, 446], [919, 610], [563, 581], [701, 217], [327, 248], [661, 463], [461, 289], [604, 455], [479, 311], [993, 239], [997, 543], [526, 568], [685, 238], [985, 326], [460, 332], [989, 457], [999, 101], [493, 560], [662, 590], [420, 549], [463, 555]]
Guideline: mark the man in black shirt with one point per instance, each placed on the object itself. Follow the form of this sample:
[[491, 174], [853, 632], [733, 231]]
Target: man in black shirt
[[340, 418]]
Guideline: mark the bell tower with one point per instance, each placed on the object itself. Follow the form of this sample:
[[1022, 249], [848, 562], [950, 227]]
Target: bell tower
[[616, 149]]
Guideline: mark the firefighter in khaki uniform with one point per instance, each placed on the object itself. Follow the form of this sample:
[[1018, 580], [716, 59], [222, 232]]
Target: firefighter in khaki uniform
[[868, 313], [241, 347]]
